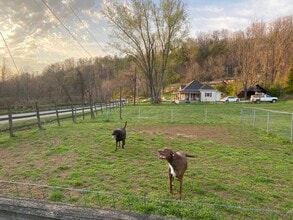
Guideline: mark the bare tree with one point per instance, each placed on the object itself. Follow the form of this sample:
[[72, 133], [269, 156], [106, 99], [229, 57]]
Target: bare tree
[[148, 32], [58, 73], [279, 49], [246, 51]]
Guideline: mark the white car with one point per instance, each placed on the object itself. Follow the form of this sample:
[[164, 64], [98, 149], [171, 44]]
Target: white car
[[230, 99]]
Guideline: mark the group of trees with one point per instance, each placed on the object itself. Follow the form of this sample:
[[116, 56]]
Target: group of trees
[[157, 54], [260, 54], [66, 82]]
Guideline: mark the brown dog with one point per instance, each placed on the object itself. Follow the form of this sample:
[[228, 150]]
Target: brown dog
[[177, 166]]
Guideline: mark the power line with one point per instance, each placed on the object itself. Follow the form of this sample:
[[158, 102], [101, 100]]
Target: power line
[[6, 45], [66, 28], [90, 33]]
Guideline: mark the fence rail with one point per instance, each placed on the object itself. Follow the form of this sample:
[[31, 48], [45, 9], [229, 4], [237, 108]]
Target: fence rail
[[142, 204], [39, 115]]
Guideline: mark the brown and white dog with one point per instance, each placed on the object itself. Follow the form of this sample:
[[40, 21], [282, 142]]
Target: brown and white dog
[[177, 165]]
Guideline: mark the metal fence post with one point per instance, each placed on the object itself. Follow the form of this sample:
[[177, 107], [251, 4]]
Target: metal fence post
[[195, 212], [17, 191], [291, 128], [145, 201], [253, 121], [268, 122]]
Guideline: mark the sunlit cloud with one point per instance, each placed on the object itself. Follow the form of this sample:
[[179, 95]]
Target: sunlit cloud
[[36, 37]]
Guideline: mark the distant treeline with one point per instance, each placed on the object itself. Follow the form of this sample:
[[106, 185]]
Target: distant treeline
[[261, 54]]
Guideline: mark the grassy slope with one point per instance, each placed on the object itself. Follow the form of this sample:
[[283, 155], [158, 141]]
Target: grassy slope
[[234, 164]]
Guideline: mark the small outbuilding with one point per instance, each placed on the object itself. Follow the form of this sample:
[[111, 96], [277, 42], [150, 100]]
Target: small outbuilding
[[251, 91], [197, 92]]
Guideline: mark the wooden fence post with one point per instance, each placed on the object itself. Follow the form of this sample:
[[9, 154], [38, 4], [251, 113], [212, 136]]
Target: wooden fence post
[[96, 111], [10, 121], [72, 113], [91, 108], [101, 107], [38, 116], [57, 115], [82, 106]]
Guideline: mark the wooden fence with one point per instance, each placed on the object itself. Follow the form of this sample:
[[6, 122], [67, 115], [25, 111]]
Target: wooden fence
[[36, 115]]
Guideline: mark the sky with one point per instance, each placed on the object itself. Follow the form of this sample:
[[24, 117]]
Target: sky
[[38, 33]]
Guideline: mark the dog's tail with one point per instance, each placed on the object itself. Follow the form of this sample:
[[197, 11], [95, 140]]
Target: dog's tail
[[188, 155], [125, 124]]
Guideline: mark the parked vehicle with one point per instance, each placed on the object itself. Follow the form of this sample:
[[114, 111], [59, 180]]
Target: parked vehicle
[[230, 99], [261, 97]]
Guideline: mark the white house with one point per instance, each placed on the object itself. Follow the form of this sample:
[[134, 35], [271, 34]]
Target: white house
[[197, 92]]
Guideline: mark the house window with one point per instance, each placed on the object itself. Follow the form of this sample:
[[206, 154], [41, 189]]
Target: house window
[[208, 94]]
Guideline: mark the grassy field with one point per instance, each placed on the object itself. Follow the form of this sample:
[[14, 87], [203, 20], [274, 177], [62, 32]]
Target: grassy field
[[235, 165]]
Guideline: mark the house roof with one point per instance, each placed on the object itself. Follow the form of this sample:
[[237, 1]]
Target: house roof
[[195, 86]]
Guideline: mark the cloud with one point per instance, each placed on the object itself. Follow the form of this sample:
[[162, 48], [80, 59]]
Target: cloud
[[35, 37], [234, 15], [33, 32]]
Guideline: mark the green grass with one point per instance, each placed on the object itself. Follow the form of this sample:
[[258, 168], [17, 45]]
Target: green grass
[[235, 165]]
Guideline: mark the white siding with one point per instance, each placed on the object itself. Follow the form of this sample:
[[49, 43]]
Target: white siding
[[210, 95]]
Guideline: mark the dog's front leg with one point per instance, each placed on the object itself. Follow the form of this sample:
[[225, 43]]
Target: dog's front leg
[[171, 179], [180, 188], [116, 145]]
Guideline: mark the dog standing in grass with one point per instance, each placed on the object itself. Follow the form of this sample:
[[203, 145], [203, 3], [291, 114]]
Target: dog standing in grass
[[120, 135], [177, 166]]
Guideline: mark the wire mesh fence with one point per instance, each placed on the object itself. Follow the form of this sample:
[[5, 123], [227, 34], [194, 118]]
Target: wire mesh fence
[[279, 124], [192, 114], [139, 204], [272, 122]]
